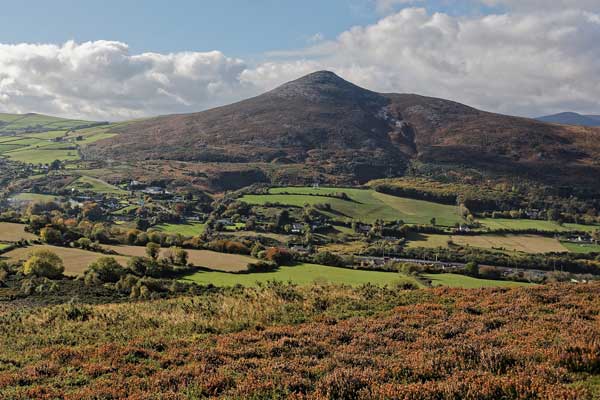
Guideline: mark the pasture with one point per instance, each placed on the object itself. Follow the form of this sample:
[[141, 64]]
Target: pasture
[[541, 225], [185, 229], [582, 248], [33, 197], [520, 243], [10, 232], [467, 282], [43, 155], [87, 183], [302, 274], [76, 261], [363, 205], [199, 258]]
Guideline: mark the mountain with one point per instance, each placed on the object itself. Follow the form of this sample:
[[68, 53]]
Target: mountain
[[571, 118], [338, 129]]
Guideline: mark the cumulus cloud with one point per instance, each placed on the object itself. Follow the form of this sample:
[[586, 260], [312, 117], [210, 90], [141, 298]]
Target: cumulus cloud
[[102, 80], [516, 63], [519, 62]]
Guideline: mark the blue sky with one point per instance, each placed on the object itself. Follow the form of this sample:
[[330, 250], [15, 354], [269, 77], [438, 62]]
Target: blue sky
[[243, 28]]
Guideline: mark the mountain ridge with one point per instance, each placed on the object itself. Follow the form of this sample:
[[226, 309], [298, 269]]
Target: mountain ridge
[[572, 118], [336, 127]]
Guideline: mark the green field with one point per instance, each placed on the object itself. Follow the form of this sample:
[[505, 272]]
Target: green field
[[524, 224], [187, 229], [364, 205], [582, 248], [87, 183], [302, 274], [42, 155], [34, 197], [467, 282]]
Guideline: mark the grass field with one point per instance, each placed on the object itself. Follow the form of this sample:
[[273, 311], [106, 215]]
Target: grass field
[[365, 205], [522, 243], [582, 248], [499, 223], [199, 258], [302, 274], [10, 232], [87, 183], [187, 229], [33, 197], [467, 282], [42, 155], [76, 261]]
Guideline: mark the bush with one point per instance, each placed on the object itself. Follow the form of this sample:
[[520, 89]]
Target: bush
[[278, 255], [50, 235], [153, 250], [262, 266], [489, 272], [327, 258], [45, 264], [107, 269], [472, 268]]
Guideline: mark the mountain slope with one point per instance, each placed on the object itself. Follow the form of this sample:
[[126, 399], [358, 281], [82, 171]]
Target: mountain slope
[[338, 128], [571, 118]]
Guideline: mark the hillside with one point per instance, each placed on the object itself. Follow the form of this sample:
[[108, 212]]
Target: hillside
[[571, 118], [321, 342], [14, 124], [338, 128]]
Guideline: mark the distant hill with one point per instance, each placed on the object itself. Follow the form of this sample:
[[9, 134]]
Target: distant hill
[[24, 123], [337, 128], [571, 118]]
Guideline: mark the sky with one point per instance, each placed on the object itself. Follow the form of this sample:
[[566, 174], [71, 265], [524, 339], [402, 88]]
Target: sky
[[116, 60]]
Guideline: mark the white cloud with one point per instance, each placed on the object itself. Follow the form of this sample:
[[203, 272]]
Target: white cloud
[[102, 80], [521, 62], [385, 6]]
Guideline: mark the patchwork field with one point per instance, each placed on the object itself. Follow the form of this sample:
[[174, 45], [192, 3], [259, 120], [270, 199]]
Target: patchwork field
[[363, 205], [10, 232], [199, 258], [582, 248], [467, 282], [521, 243], [95, 185], [76, 261], [523, 224], [43, 155], [302, 274], [187, 229]]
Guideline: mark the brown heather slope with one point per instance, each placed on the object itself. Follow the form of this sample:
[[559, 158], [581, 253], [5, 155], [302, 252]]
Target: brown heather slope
[[320, 342], [340, 128]]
